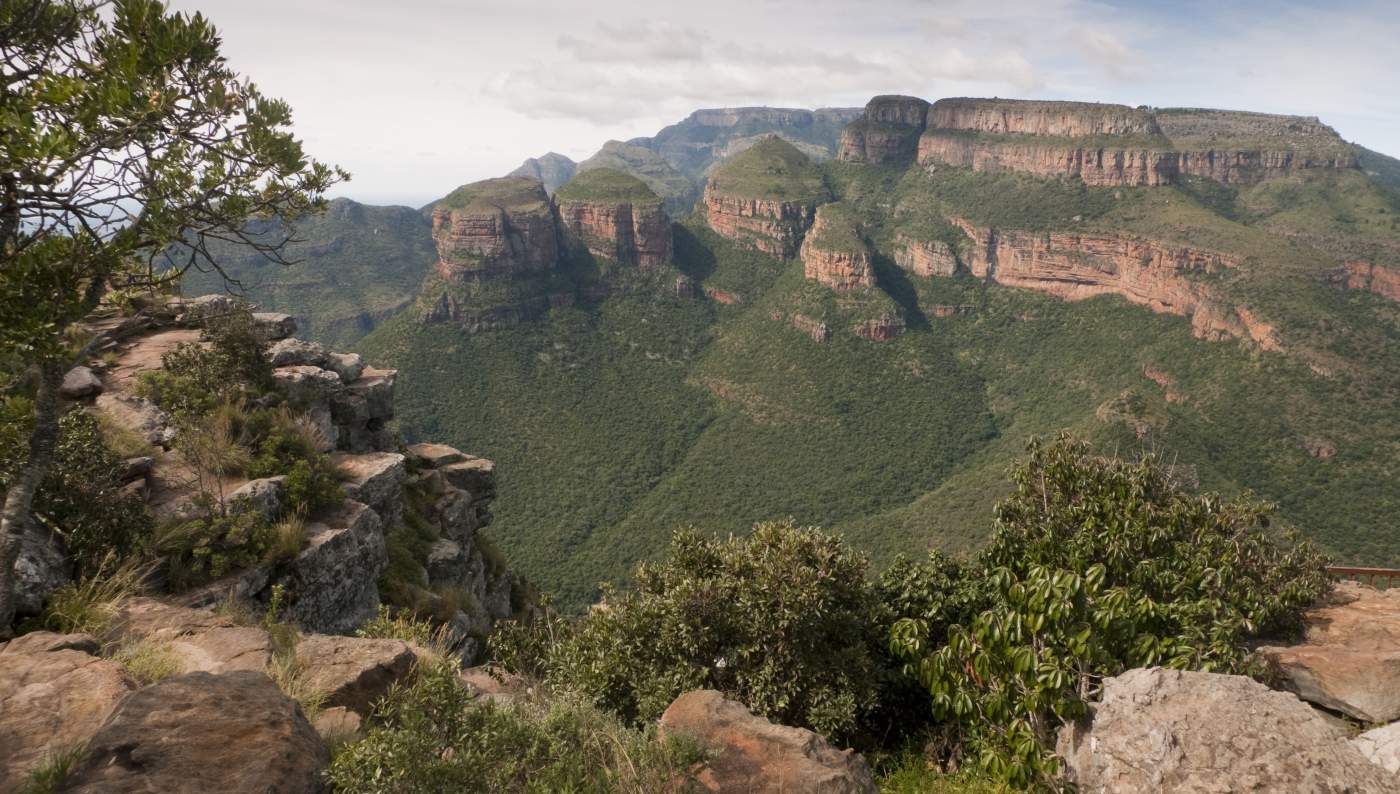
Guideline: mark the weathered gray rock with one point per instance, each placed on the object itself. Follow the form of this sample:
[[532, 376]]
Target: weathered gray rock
[[41, 568], [751, 754], [80, 383], [48, 641], [1349, 660], [201, 733], [199, 310], [376, 386], [52, 697], [1174, 731], [201, 640], [139, 415], [1381, 746], [446, 562], [434, 455], [273, 326], [349, 366], [304, 384], [459, 516], [133, 468], [354, 672], [375, 478], [476, 476], [331, 584], [296, 352], [264, 496]]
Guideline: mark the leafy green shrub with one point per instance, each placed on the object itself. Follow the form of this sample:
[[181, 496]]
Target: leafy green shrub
[[432, 736], [1100, 566], [311, 485], [194, 378], [206, 548], [784, 621]]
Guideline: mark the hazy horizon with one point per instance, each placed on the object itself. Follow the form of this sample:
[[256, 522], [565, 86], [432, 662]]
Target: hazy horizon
[[419, 97]]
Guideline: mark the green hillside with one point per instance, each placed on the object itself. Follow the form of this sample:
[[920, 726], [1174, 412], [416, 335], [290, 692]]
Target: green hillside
[[605, 184], [356, 265]]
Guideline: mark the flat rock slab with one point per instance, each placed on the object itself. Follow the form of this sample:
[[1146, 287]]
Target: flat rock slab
[[434, 455], [201, 640], [52, 698], [202, 733], [476, 476], [755, 756], [374, 478], [1172, 731], [354, 672], [1349, 660]]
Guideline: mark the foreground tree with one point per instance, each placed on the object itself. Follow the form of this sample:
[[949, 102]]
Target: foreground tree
[[127, 145]]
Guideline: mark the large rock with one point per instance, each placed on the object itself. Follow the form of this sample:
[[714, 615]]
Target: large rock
[[297, 352], [353, 672], [1381, 746], [751, 754], [1167, 731], [1349, 660], [202, 733], [80, 383], [274, 325], [41, 568], [201, 640], [434, 455], [374, 478], [331, 584], [53, 695], [139, 415], [304, 384], [263, 496], [476, 476]]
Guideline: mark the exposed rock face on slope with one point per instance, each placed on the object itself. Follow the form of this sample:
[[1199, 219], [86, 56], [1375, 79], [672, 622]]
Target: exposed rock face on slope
[[1360, 274], [1075, 266], [1349, 660], [1173, 731], [753, 755], [765, 198], [1114, 145], [834, 253], [617, 217], [925, 257], [887, 132], [675, 189], [498, 243], [552, 170]]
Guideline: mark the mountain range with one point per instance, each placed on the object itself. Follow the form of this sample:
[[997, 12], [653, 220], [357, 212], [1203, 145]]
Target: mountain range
[[856, 317]]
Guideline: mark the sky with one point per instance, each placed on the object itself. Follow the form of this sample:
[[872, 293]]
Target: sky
[[416, 97]]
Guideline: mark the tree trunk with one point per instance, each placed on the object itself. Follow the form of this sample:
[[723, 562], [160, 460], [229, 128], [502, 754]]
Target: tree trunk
[[15, 518]]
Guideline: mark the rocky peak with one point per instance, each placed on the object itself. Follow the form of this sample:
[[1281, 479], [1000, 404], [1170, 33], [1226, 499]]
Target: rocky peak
[[616, 216], [664, 179], [765, 197], [552, 170], [886, 133]]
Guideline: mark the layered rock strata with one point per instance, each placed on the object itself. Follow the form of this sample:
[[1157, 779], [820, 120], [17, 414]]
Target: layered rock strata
[[834, 253], [886, 133], [1362, 275], [1032, 117], [1075, 266], [925, 257], [617, 217], [772, 226]]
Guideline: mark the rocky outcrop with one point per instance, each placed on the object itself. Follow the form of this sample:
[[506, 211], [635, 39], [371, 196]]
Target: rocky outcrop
[[1349, 660], [815, 329], [834, 253], [1097, 166], [199, 640], [1240, 147], [774, 227], [880, 329], [1075, 266], [887, 133], [617, 217], [925, 257], [199, 733], [1173, 731], [352, 672], [331, 583], [54, 693], [79, 383], [1362, 275], [751, 754]]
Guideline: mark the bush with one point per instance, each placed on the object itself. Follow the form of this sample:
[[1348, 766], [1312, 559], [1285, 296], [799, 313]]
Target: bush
[[432, 736], [80, 497], [784, 621], [1100, 566], [207, 548], [195, 378], [311, 486]]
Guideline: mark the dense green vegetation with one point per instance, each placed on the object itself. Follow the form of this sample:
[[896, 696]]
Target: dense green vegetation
[[605, 184], [516, 193], [771, 169]]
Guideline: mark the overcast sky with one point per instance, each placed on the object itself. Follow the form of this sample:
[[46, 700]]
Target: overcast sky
[[415, 97]]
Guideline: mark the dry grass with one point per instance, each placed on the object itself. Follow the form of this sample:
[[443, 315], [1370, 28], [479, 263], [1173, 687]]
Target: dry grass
[[89, 606], [148, 661], [288, 538], [292, 679]]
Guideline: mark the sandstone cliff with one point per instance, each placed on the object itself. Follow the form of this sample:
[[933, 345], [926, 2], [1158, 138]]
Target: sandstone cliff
[[834, 253], [765, 198], [925, 257], [1360, 274], [1075, 266], [887, 132], [1032, 117], [617, 217]]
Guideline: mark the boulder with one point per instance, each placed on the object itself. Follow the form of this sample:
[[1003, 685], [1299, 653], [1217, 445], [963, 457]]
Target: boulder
[[446, 562], [304, 384], [337, 723], [200, 733], [80, 383], [200, 639], [263, 496], [477, 476], [348, 366], [139, 415], [751, 754], [134, 468], [1381, 746], [1349, 660], [332, 582], [353, 672], [41, 568], [377, 387], [434, 456], [1175, 731], [53, 695], [374, 478], [273, 326], [296, 352], [195, 311]]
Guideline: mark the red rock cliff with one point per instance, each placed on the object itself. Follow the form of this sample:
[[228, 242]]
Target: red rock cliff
[[834, 253], [1030, 117], [887, 133], [632, 233], [1076, 266], [771, 226], [1363, 275], [1096, 166], [925, 257], [504, 228]]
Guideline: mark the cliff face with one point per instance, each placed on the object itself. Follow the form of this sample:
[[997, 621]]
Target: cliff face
[[1383, 281], [1113, 145], [925, 257], [1075, 266], [632, 234], [834, 253], [773, 227], [886, 133], [765, 198]]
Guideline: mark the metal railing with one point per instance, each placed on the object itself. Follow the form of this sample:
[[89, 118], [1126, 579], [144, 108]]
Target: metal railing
[[1376, 577]]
